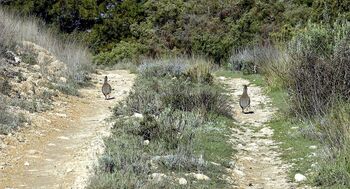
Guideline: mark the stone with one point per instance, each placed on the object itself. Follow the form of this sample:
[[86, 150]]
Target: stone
[[299, 177], [63, 80], [36, 67], [61, 115], [221, 78], [138, 115], [238, 172], [182, 181], [313, 147], [69, 170], [146, 142], [200, 176], [232, 164], [158, 177]]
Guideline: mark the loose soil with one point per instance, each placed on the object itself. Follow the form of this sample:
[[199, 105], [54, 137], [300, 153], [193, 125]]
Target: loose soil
[[257, 163], [62, 145]]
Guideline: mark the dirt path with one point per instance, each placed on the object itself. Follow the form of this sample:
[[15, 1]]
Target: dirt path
[[257, 162], [59, 151]]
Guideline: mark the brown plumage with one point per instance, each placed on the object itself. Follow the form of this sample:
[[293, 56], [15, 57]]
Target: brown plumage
[[106, 88], [244, 101]]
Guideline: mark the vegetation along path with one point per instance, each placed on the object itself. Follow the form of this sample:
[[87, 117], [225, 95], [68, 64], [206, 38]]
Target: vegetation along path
[[60, 149], [257, 161]]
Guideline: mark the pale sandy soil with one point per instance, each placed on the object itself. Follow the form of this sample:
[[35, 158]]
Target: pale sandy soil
[[257, 163], [62, 145]]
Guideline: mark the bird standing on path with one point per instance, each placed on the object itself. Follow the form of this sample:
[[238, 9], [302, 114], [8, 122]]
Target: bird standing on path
[[244, 101], [106, 88]]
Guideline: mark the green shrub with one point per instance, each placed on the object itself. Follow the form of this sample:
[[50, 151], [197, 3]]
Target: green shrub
[[320, 68], [121, 52], [154, 94]]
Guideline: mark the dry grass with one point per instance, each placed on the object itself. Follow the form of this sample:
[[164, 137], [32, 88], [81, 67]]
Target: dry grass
[[14, 30]]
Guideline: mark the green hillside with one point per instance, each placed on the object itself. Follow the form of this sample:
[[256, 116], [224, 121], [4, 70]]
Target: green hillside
[[117, 30]]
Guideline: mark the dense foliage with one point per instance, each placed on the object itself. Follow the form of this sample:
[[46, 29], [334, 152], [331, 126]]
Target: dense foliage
[[152, 28]]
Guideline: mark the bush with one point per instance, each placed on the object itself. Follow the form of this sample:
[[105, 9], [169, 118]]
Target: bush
[[123, 51], [153, 95], [321, 68], [8, 121]]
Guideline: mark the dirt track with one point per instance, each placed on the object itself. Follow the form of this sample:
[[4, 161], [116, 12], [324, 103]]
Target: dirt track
[[257, 162], [61, 147]]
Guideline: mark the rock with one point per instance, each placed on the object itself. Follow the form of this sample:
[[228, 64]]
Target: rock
[[33, 152], [26, 164], [146, 142], [138, 115], [299, 177], [63, 80], [61, 115], [36, 67], [232, 164], [158, 177], [200, 176], [221, 78], [313, 147], [69, 170], [182, 181], [238, 172], [214, 163]]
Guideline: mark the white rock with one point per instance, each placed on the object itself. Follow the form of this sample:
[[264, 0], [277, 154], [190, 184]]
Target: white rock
[[61, 115], [221, 78], [299, 177], [138, 115], [146, 142], [69, 170], [158, 177], [182, 181], [26, 163], [36, 67], [200, 176], [239, 172], [17, 60], [313, 147], [63, 80], [214, 163], [232, 164]]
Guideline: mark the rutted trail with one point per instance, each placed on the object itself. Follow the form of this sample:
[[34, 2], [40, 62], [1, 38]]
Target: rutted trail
[[60, 149], [257, 161]]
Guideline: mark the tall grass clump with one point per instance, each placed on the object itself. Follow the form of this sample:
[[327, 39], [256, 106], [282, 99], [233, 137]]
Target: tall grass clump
[[334, 133], [15, 30], [270, 60], [178, 105]]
